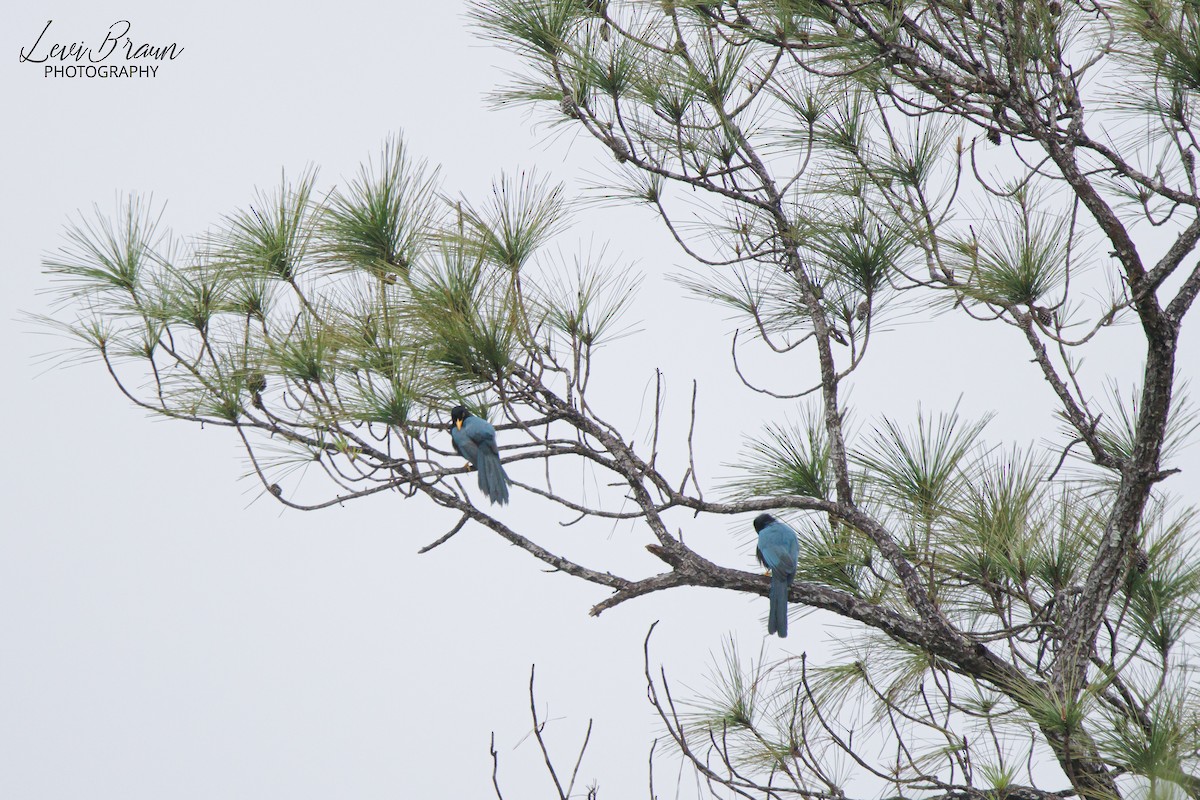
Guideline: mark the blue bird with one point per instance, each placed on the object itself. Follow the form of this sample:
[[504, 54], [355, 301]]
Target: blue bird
[[475, 440], [778, 550]]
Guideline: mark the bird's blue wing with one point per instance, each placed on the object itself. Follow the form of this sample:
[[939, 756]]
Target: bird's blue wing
[[480, 432], [778, 548]]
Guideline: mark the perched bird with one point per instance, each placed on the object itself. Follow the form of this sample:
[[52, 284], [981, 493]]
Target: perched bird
[[475, 440], [778, 550]]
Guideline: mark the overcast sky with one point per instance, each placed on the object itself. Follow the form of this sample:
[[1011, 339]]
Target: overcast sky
[[167, 632]]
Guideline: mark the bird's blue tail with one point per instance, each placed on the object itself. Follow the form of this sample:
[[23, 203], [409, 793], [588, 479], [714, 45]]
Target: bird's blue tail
[[777, 617], [492, 480]]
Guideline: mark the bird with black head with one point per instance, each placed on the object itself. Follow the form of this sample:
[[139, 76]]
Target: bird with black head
[[778, 550], [475, 440]]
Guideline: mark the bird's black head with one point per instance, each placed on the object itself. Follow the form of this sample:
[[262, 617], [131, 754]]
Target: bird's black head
[[457, 415], [762, 521]]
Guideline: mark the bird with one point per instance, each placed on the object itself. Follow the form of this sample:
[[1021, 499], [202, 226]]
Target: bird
[[475, 440], [778, 550]]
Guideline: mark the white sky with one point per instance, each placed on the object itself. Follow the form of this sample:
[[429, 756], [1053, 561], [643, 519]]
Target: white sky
[[161, 635]]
